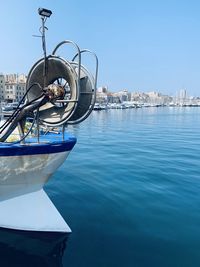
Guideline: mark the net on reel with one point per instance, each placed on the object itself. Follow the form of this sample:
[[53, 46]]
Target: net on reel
[[78, 83]]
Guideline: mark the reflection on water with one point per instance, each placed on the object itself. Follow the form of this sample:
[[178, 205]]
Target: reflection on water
[[130, 189], [26, 248]]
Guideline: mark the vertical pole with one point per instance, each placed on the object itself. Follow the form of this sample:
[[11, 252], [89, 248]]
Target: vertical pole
[[63, 132], [44, 51], [21, 132], [38, 127]]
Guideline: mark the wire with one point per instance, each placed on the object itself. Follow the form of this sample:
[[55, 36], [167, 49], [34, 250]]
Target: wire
[[18, 109]]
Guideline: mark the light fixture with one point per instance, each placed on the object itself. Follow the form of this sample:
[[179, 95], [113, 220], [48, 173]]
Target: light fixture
[[44, 12]]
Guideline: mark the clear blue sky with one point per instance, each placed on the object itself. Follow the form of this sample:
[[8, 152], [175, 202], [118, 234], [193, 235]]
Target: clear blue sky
[[141, 45]]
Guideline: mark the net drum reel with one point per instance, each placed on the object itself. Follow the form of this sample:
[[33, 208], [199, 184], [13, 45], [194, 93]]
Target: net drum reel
[[59, 72], [78, 83], [88, 86]]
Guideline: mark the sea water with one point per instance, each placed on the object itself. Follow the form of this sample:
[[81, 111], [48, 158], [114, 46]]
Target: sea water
[[130, 191]]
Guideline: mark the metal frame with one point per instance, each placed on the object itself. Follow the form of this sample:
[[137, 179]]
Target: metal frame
[[78, 54], [77, 73]]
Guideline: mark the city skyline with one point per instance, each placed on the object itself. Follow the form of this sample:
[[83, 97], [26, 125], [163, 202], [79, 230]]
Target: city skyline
[[15, 77], [148, 45], [13, 88]]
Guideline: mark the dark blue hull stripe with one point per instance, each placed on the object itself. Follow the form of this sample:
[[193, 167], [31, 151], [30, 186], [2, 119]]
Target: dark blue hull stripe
[[7, 150]]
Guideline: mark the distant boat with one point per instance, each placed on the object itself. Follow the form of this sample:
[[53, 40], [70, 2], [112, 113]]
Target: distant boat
[[98, 106], [8, 107]]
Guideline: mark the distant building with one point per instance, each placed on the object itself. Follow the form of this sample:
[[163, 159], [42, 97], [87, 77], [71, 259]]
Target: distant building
[[14, 87], [102, 89], [10, 91], [101, 96], [123, 95], [139, 97], [182, 94]]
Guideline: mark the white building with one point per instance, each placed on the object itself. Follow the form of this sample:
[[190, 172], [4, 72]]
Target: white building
[[124, 95], [182, 94], [15, 87], [102, 89]]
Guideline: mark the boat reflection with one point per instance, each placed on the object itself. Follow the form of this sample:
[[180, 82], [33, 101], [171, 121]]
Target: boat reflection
[[27, 248]]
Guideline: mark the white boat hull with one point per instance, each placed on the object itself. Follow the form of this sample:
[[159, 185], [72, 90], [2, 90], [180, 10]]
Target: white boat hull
[[32, 212], [23, 174], [25, 168]]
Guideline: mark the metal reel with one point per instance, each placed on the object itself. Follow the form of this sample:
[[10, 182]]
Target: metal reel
[[86, 97], [59, 72], [87, 83]]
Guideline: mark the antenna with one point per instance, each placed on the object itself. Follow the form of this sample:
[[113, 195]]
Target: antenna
[[44, 13]]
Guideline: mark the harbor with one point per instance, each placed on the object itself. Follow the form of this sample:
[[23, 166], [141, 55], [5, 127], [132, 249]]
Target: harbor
[[6, 109], [130, 105], [126, 99], [99, 134]]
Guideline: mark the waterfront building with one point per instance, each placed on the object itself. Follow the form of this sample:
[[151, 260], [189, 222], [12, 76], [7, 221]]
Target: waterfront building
[[21, 87], [102, 89], [123, 95], [151, 98], [10, 91], [183, 94], [113, 98], [139, 97], [14, 87], [182, 98], [101, 96]]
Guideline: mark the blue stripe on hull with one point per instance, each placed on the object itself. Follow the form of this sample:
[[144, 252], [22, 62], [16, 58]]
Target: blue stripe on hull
[[46, 146]]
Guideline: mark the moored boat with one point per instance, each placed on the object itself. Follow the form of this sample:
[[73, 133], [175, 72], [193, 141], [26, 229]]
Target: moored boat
[[27, 166], [33, 140]]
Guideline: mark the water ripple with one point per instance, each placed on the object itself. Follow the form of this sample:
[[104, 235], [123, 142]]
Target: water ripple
[[130, 189]]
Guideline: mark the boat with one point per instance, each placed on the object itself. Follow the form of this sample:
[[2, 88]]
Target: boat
[[34, 141], [98, 106], [8, 107]]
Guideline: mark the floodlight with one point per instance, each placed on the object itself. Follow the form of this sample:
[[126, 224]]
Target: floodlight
[[44, 12]]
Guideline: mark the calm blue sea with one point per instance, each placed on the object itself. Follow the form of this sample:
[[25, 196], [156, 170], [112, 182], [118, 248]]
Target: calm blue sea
[[130, 191]]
